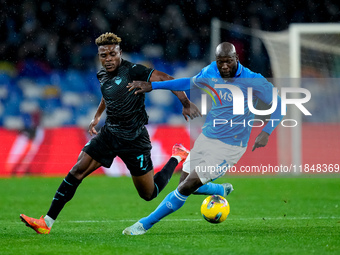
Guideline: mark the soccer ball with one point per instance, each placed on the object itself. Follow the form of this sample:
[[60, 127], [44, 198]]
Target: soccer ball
[[215, 209]]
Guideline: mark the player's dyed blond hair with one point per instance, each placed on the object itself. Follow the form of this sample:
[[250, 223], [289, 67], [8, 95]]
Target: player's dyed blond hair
[[108, 38]]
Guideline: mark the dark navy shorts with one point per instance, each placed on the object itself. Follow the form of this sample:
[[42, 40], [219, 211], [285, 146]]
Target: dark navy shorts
[[136, 154]]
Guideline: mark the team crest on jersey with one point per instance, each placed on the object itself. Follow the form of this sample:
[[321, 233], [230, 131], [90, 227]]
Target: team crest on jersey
[[118, 80]]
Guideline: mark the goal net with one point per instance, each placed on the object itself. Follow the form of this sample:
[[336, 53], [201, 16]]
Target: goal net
[[304, 56]]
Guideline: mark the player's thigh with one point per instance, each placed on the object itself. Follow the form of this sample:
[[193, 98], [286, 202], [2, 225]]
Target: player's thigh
[[138, 162], [211, 158], [84, 166], [197, 153], [140, 166], [102, 147], [136, 154], [193, 159]]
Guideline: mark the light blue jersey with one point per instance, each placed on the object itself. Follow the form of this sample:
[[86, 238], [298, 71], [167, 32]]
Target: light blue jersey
[[232, 129], [221, 123]]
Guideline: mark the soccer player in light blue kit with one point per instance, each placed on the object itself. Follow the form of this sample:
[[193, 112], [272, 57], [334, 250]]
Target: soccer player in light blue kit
[[218, 144]]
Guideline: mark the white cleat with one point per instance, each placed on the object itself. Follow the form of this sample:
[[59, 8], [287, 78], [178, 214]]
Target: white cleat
[[228, 188], [135, 230]]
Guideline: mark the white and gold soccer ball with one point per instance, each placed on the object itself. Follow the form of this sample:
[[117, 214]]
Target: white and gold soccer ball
[[215, 209]]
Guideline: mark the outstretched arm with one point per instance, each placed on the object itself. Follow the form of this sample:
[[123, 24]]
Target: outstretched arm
[[189, 108], [174, 85], [96, 117]]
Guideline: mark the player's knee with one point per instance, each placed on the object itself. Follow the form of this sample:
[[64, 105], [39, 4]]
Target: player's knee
[[184, 190], [75, 172], [147, 196], [188, 186], [78, 172], [81, 170], [184, 175]]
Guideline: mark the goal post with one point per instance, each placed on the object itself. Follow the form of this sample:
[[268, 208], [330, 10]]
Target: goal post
[[304, 50], [296, 42], [215, 36]]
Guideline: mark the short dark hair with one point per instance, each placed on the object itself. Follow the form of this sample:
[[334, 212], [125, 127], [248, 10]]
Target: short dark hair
[[108, 38]]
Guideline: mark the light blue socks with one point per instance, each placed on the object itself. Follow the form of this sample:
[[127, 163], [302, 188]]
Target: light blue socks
[[171, 203], [210, 189]]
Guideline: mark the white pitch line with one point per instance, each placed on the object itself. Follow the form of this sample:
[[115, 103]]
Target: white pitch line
[[200, 219], [186, 219], [232, 219]]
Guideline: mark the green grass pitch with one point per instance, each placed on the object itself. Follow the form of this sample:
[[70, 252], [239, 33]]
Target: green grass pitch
[[268, 216]]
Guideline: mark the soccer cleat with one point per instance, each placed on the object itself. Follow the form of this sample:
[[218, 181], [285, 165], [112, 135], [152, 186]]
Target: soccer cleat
[[228, 188], [38, 225], [135, 230], [179, 150]]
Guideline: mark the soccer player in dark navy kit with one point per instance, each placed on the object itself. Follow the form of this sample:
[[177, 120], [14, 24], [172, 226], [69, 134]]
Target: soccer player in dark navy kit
[[123, 134]]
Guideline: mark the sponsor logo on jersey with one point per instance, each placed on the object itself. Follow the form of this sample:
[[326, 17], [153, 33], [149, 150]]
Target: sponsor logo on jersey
[[118, 80]]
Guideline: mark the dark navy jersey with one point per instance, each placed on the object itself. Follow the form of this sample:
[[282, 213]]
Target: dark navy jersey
[[126, 115]]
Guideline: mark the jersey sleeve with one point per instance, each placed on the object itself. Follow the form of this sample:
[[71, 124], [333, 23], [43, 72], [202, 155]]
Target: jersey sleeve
[[140, 73], [200, 80], [196, 79], [175, 85], [263, 89], [101, 74]]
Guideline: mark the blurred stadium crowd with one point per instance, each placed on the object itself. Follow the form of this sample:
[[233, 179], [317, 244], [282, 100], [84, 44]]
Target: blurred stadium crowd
[[48, 56]]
